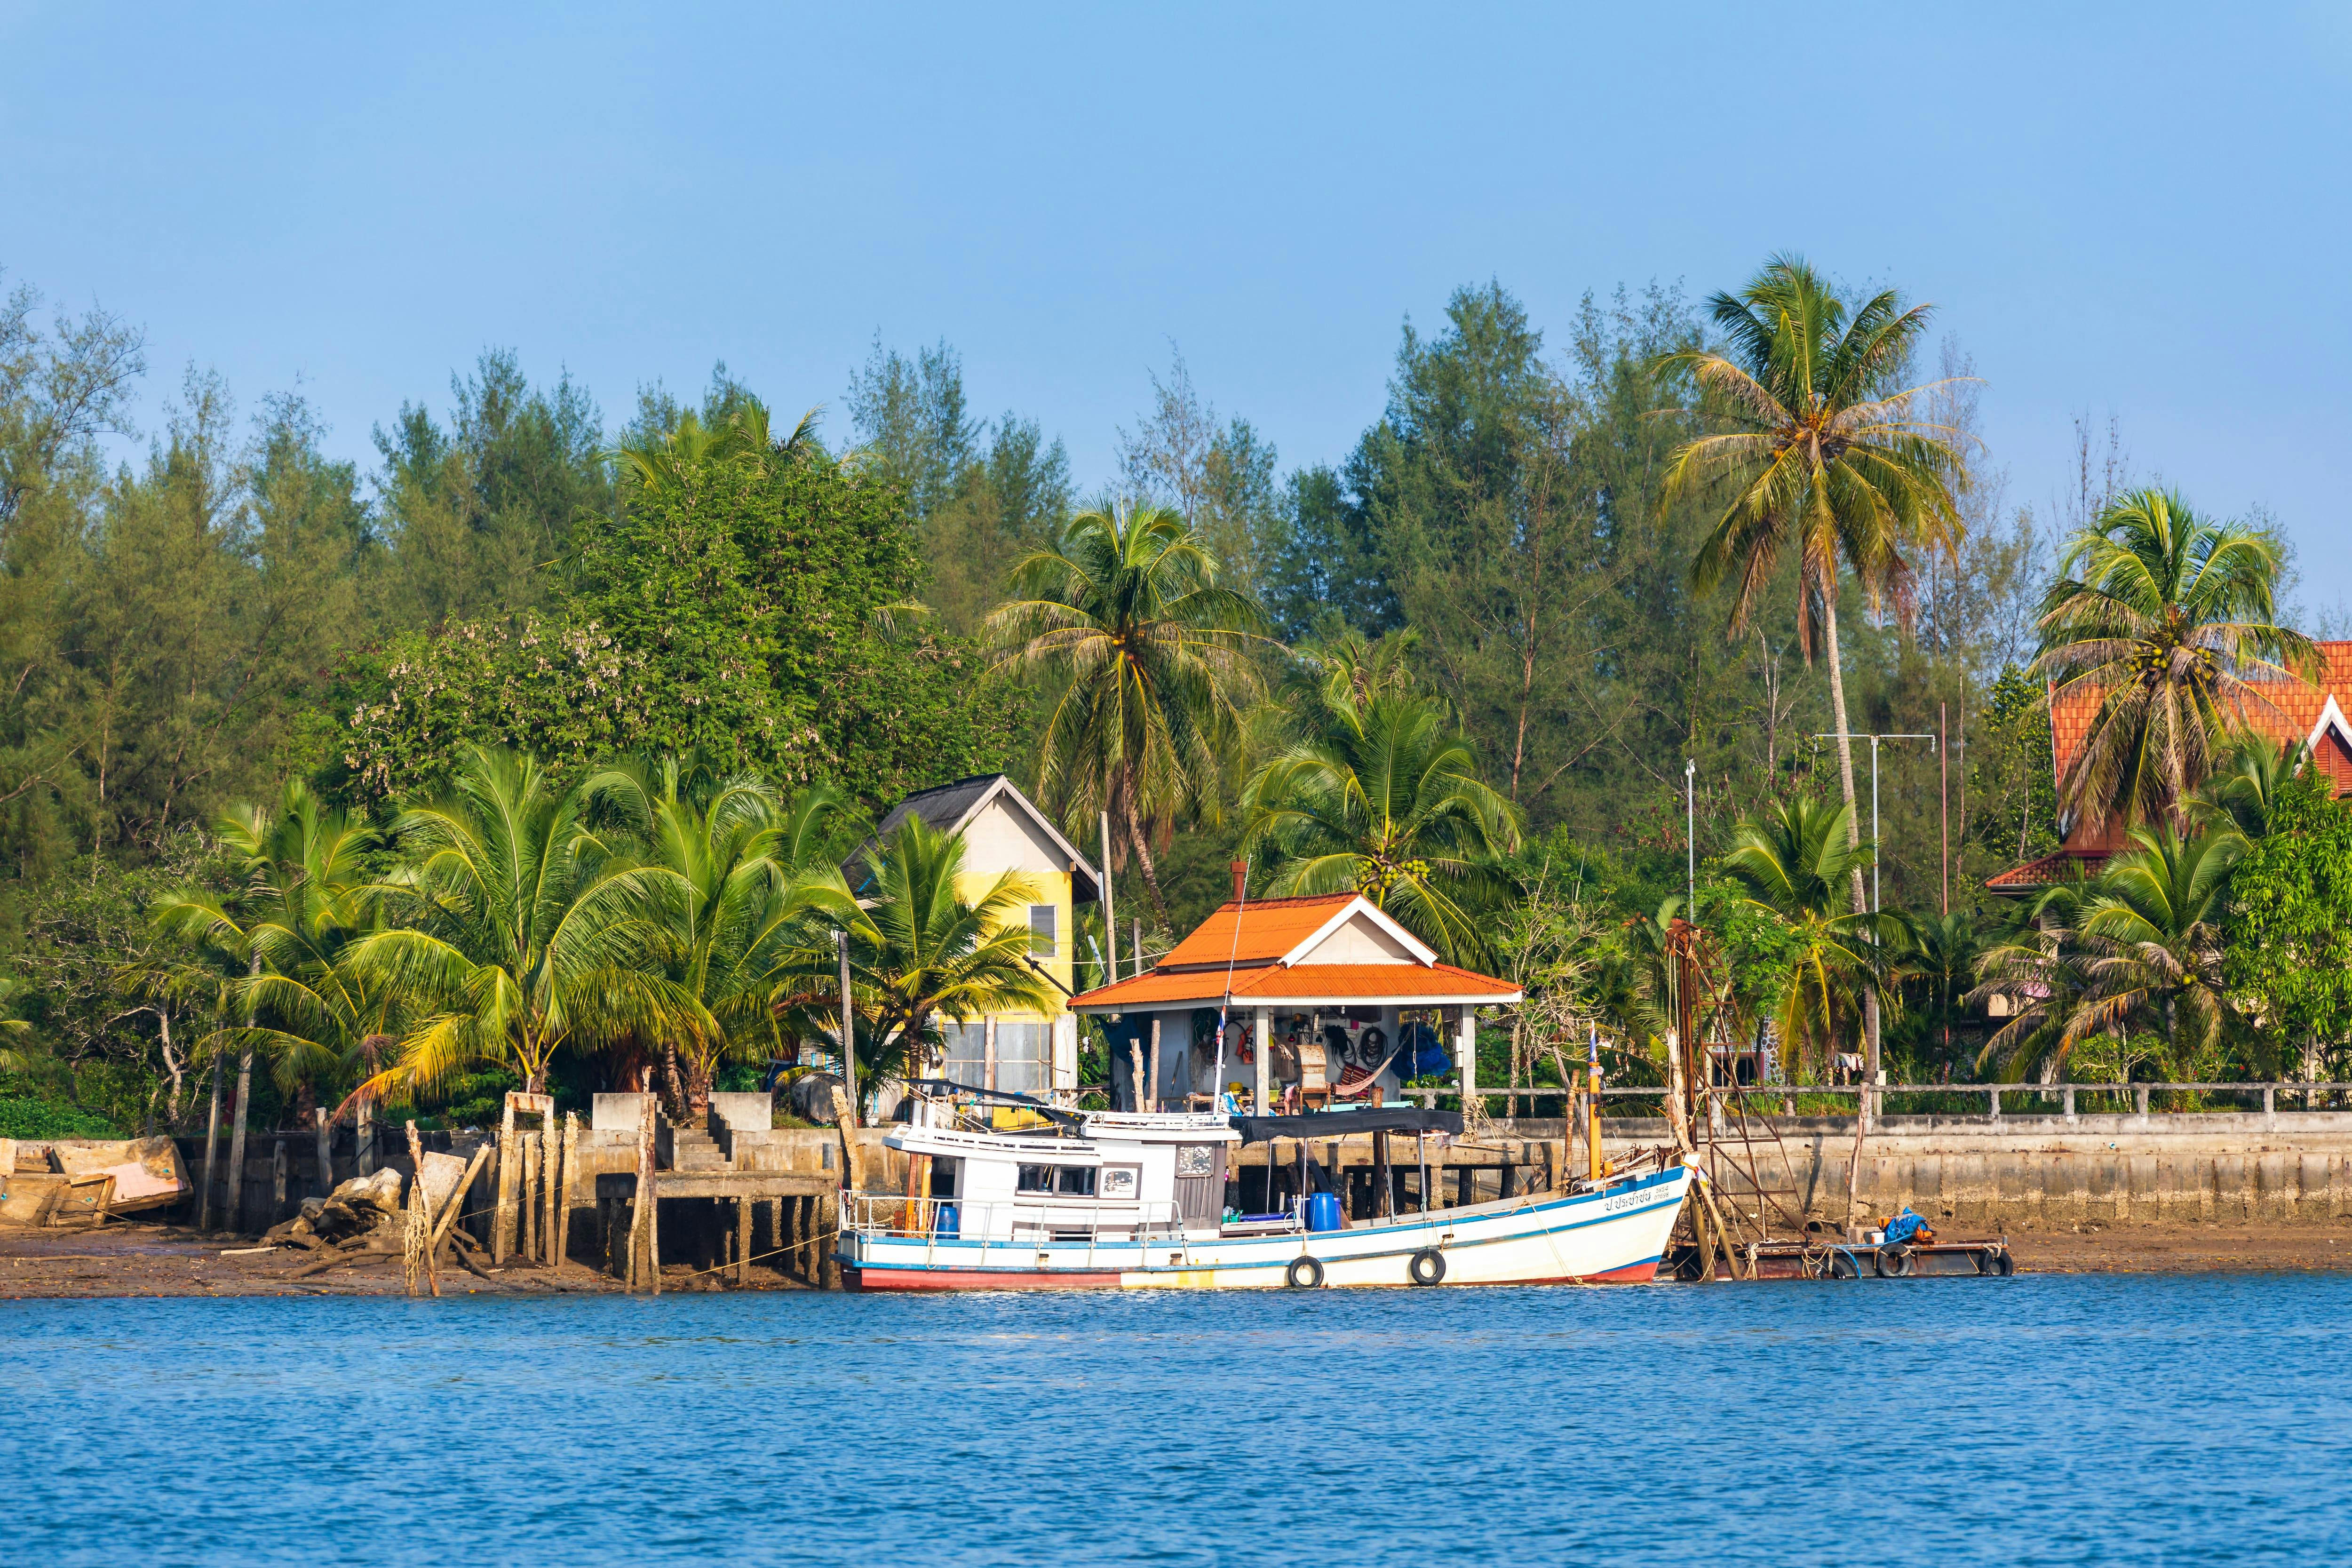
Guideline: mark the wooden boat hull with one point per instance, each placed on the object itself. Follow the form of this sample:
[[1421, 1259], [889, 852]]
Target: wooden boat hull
[[1613, 1236]]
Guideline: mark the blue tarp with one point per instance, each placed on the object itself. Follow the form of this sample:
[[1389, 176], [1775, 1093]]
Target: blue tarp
[[1420, 1053], [1904, 1226]]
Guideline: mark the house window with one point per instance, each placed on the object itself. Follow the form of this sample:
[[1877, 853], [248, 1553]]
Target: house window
[[1042, 930]]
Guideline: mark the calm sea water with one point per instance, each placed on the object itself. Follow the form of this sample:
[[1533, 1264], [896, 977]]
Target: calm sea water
[[2063, 1419]]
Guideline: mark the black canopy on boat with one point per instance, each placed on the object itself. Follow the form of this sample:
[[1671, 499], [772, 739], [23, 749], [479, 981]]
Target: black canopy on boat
[[1346, 1123], [941, 1086]]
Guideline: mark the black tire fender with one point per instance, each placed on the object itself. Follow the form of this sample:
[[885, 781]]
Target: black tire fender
[[1893, 1262], [1426, 1268], [1842, 1265], [2000, 1265], [1305, 1273]]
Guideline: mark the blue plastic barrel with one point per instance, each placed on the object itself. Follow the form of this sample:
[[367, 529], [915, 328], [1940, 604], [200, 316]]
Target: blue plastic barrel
[[1323, 1211], [944, 1220]]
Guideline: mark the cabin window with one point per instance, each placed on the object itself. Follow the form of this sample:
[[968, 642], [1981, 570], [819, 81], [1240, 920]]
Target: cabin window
[[1042, 930], [1121, 1182], [1075, 1182], [1035, 1179]]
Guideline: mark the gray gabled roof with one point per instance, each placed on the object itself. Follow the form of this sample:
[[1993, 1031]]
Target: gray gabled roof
[[950, 808]]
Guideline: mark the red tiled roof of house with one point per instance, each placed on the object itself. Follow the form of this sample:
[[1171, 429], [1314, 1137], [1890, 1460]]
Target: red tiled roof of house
[[2293, 710], [1406, 983]]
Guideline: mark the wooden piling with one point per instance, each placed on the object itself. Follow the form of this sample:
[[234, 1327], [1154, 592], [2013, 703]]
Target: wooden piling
[[326, 1178], [527, 1242], [278, 1165], [502, 1222], [742, 1241], [641, 1212], [564, 1192]]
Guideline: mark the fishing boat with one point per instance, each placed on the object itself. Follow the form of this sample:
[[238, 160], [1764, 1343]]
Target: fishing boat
[[1136, 1200]]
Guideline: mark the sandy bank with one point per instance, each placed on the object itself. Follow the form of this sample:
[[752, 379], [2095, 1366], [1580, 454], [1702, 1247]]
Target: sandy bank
[[132, 1259]]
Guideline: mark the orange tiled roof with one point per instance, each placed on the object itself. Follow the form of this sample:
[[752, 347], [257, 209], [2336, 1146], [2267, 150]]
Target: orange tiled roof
[[2059, 866], [2292, 713], [1362, 984], [1270, 928]]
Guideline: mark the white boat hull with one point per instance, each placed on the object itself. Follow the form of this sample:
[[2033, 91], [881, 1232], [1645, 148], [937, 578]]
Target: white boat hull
[[1615, 1235]]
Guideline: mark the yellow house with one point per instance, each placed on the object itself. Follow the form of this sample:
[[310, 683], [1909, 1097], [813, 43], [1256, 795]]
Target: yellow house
[[1025, 1053]]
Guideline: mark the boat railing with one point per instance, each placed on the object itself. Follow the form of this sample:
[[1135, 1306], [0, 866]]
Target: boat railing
[[1017, 1222]]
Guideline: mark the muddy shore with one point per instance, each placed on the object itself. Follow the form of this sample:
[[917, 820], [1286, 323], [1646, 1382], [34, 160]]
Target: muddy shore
[[134, 1260]]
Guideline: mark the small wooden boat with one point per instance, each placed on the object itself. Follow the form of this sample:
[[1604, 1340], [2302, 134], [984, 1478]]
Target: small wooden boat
[[1137, 1200]]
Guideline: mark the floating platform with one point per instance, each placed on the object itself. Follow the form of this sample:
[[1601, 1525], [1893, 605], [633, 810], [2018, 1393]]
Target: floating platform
[[1823, 1259]]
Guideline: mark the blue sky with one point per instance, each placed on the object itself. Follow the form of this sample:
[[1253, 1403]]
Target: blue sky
[[2141, 211]]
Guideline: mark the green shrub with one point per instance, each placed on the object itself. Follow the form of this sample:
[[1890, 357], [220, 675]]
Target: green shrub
[[21, 1116]]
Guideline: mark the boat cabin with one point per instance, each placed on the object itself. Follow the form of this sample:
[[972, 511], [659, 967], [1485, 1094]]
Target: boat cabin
[[1122, 1177]]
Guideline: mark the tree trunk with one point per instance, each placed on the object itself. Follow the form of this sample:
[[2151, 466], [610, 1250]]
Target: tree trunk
[[1853, 837], [1135, 839], [172, 1065], [237, 1142], [212, 1149], [676, 1085]]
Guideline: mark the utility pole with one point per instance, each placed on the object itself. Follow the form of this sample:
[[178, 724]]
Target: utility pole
[[1863, 1106], [1873, 740], [848, 1027], [1110, 911], [1944, 800]]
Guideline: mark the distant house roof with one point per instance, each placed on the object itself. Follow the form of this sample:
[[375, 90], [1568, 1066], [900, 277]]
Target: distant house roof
[[2281, 710], [2314, 714], [2059, 866], [1299, 951], [951, 808]]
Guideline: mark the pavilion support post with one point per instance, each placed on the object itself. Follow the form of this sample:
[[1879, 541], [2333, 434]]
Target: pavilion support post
[[1262, 1027], [1468, 1046]]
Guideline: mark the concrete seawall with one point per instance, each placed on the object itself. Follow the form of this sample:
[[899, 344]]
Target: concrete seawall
[[2026, 1173]]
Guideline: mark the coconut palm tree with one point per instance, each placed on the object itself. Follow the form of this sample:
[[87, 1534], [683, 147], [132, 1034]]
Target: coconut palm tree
[[291, 922], [2151, 937], [920, 953], [2248, 782], [2033, 972], [1825, 462], [1794, 862], [2170, 620], [742, 888], [1938, 955], [1151, 660], [521, 931], [1386, 801]]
